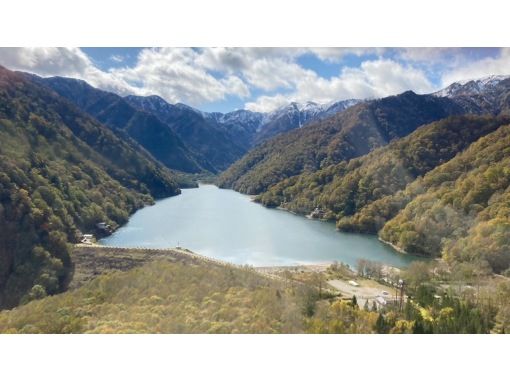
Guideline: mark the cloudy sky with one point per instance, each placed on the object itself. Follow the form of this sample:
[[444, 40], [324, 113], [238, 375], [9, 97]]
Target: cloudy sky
[[261, 79]]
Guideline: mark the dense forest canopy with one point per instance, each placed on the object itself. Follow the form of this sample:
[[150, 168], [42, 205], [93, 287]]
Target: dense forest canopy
[[116, 113], [346, 135], [441, 191], [343, 189], [61, 172]]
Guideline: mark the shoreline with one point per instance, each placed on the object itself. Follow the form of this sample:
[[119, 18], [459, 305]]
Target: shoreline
[[311, 266], [396, 248]]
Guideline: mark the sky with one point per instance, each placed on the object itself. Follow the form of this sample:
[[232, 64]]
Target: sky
[[261, 79]]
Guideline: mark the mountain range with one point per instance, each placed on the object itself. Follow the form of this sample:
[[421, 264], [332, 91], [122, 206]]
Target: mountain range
[[182, 137], [360, 129]]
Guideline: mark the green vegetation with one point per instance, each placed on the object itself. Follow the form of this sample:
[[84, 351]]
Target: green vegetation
[[442, 191], [349, 134], [116, 113], [61, 172], [164, 297], [191, 296], [343, 189], [460, 210], [461, 299]]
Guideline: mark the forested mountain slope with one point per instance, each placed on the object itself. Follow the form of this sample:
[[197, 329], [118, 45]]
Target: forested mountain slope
[[346, 135], [461, 209], [208, 139], [343, 189], [296, 115], [60, 172], [115, 112]]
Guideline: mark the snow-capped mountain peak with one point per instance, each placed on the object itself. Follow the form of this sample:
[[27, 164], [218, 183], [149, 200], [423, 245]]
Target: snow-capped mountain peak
[[471, 86]]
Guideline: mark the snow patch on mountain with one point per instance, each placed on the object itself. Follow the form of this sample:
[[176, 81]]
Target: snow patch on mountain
[[471, 86]]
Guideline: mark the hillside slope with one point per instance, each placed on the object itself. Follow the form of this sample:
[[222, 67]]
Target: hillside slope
[[115, 112], [349, 134], [461, 209], [165, 297], [206, 138], [343, 189], [60, 172]]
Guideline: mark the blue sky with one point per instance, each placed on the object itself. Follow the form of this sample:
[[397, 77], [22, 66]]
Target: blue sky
[[261, 79]]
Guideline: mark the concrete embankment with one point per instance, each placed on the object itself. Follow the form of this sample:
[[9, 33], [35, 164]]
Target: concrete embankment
[[91, 261]]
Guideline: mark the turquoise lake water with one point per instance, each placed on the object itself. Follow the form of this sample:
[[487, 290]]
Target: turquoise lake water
[[227, 225]]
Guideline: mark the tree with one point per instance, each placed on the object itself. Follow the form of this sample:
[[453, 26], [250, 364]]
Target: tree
[[361, 265], [380, 325]]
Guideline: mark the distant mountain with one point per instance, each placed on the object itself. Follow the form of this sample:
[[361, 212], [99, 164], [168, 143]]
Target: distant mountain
[[232, 134], [296, 115], [207, 138], [472, 86], [485, 95], [118, 114], [61, 172], [242, 125], [182, 137], [348, 134]]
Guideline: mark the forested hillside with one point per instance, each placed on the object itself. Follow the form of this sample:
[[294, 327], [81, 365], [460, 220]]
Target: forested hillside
[[461, 209], [164, 297], [349, 134], [441, 191], [207, 139], [60, 172], [115, 112], [343, 189]]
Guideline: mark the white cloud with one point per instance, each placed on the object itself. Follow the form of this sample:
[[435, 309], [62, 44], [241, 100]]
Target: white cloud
[[70, 62], [499, 65], [205, 75], [170, 73], [377, 78], [430, 55], [117, 58], [336, 54], [173, 73], [266, 103]]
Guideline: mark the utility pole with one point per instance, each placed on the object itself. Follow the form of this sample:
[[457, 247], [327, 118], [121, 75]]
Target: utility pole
[[401, 285]]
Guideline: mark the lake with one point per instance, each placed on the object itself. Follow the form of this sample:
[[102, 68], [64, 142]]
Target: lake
[[229, 226]]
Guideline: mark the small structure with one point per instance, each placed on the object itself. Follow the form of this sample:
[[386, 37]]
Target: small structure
[[380, 301], [88, 239], [103, 226], [317, 213]]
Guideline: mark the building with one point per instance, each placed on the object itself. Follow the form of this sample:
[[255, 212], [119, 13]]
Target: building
[[103, 226], [88, 239]]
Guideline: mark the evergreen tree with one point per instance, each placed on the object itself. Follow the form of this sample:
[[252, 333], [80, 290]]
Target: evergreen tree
[[380, 325]]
